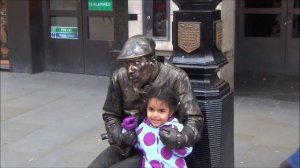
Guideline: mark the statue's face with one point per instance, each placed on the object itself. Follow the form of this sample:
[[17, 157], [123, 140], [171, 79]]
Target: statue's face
[[139, 71]]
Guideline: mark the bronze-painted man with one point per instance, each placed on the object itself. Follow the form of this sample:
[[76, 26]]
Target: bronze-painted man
[[128, 84]]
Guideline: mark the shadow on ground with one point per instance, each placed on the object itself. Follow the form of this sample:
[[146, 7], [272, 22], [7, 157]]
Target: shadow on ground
[[279, 87]]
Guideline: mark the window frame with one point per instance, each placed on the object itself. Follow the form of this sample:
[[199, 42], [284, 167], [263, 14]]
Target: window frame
[[148, 22]]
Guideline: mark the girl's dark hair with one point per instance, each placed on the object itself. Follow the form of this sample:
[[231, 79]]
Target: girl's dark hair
[[165, 94]]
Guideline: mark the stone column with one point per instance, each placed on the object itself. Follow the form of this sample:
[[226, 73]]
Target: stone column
[[197, 40]]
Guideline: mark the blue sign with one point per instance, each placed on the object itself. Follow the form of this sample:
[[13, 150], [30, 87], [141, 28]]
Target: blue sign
[[64, 32], [64, 35]]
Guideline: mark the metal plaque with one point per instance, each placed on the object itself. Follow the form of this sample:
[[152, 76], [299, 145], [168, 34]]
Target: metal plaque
[[219, 34], [189, 36]]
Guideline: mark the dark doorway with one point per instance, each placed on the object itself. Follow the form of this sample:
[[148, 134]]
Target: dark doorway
[[79, 36], [268, 37]]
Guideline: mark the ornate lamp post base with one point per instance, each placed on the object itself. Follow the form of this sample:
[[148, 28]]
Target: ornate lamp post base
[[197, 39]]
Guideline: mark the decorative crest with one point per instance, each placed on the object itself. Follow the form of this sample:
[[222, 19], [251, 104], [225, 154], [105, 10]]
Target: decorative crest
[[219, 34], [189, 36]]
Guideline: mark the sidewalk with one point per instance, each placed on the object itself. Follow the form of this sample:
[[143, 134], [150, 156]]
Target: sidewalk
[[53, 119]]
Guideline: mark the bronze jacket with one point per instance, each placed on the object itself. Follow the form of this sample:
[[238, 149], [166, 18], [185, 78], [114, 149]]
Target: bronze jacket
[[122, 98]]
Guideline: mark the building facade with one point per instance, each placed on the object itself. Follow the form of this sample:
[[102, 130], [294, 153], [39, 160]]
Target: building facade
[[85, 36]]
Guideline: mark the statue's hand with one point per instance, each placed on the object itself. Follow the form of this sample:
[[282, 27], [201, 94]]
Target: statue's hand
[[171, 137], [115, 135], [128, 138]]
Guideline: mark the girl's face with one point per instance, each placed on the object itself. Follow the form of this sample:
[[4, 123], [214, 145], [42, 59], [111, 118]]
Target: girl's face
[[158, 112]]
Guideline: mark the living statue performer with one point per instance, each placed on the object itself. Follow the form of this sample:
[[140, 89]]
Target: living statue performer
[[141, 72]]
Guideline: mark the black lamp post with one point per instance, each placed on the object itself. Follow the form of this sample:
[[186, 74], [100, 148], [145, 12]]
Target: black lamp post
[[197, 40]]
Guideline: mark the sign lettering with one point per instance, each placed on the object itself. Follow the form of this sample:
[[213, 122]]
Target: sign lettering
[[61, 32], [100, 5]]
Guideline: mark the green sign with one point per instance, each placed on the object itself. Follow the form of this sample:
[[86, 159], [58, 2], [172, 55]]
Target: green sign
[[64, 32], [100, 5]]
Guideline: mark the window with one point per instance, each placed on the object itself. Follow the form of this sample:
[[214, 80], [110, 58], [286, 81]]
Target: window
[[97, 25], [296, 26], [262, 25], [63, 5], [64, 27], [156, 19], [263, 3]]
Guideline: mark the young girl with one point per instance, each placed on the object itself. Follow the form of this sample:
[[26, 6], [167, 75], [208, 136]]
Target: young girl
[[161, 104]]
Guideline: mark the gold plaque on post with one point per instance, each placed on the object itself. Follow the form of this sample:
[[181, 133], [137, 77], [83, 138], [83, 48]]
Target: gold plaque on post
[[189, 36], [219, 34]]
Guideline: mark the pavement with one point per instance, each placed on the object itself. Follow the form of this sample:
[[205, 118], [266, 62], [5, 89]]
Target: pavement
[[53, 119]]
